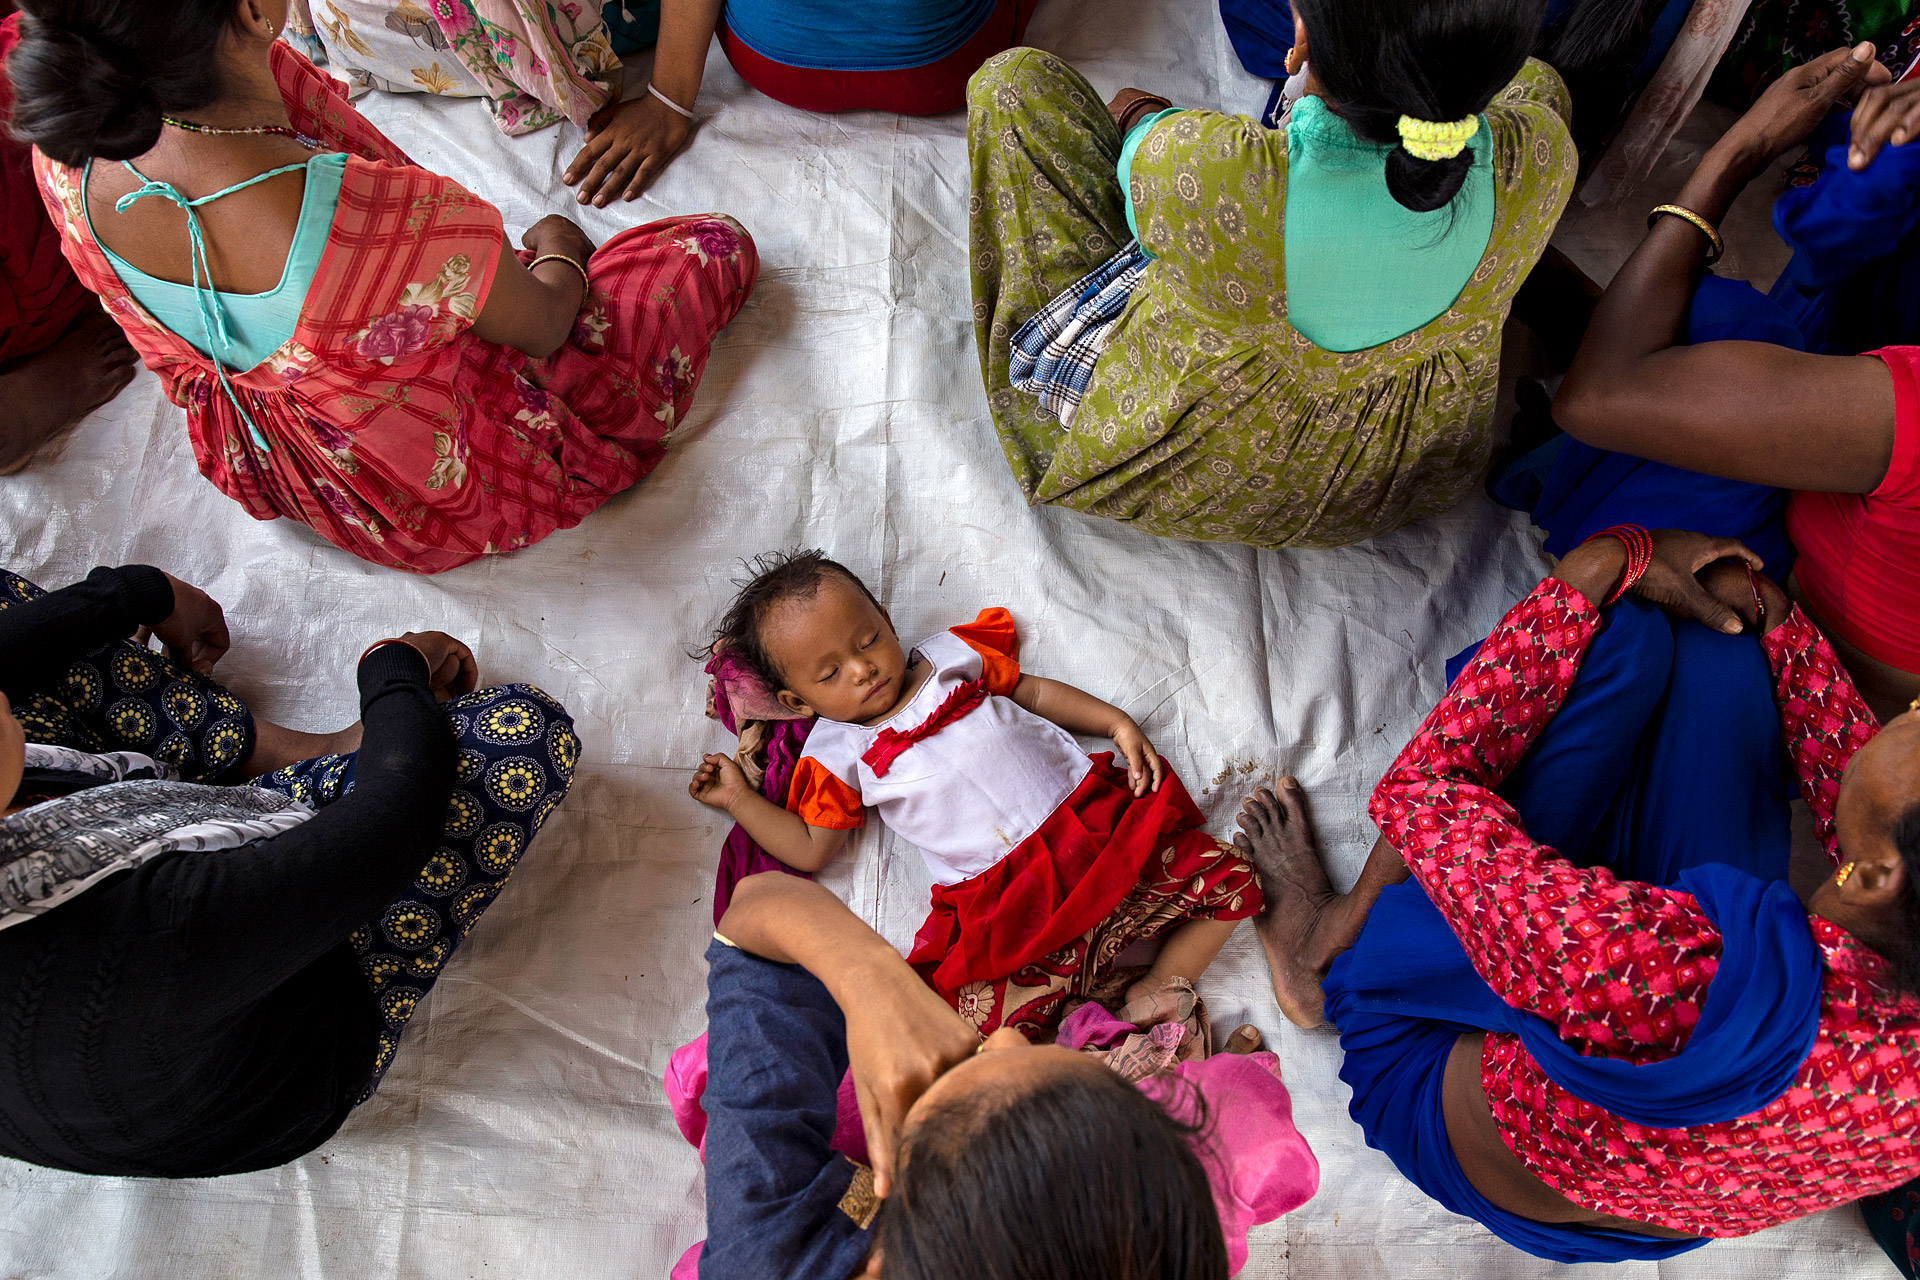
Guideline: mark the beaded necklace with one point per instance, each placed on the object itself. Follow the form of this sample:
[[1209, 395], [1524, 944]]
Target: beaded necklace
[[284, 131]]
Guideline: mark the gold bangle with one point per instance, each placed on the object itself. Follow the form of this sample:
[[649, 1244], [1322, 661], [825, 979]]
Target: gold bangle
[[1718, 246], [561, 257]]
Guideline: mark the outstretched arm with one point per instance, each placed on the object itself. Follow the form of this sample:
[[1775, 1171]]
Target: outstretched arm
[[1078, 711], [719, 784], [1743, 410]]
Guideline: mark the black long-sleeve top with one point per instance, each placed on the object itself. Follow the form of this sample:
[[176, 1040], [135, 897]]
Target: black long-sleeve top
[[203, 1013]]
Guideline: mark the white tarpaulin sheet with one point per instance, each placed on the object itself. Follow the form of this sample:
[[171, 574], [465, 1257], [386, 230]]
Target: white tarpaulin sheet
[[522, 1131]]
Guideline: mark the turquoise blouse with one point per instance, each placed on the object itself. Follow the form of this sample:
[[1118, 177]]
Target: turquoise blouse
[[1361, 268], [258, 324]]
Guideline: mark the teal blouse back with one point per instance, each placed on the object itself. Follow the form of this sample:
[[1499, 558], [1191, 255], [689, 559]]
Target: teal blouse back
[[1361, 268], [258, 324]]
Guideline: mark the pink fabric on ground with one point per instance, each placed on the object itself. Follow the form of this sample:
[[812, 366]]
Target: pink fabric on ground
[[686, 1084], [1259, 1165], [1257, 1162]]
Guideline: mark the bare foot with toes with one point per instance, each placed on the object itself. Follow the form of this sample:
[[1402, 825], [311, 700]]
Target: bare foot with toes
[[1246, 1039], [1277, 836], [49, 392]]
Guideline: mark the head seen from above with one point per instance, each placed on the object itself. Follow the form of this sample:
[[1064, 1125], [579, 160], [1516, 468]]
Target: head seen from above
[[1876, 894], [93, 77], [1414, 74], [811, 629], [1020, 1136]]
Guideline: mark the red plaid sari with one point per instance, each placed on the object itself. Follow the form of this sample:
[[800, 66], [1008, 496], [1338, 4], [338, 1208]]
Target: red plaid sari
[[393, 431]]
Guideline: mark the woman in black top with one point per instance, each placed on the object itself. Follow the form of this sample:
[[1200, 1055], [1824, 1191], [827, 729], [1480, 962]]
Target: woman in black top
[[201, 974]]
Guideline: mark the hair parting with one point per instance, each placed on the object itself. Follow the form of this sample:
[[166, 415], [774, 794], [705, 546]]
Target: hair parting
[[1106, 1181]]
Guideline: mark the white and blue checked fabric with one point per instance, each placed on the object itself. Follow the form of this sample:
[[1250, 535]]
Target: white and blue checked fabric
[[1055, 351]]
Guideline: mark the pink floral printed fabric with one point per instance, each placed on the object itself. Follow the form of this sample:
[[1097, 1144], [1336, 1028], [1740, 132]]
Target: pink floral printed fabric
[[1623, 969], [536, 64], [392, 430]]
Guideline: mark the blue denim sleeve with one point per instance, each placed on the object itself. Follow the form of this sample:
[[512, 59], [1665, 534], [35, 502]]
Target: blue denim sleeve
[[1846, 221], [776, 1052]]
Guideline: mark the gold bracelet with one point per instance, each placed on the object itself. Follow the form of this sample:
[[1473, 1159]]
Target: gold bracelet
[[1718, 246], [561, 257]]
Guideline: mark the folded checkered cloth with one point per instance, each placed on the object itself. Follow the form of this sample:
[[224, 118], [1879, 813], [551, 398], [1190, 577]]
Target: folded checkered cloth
[[1055, 351]]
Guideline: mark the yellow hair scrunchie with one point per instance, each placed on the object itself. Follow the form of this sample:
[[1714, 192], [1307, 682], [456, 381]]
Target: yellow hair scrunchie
[[1436, 139]]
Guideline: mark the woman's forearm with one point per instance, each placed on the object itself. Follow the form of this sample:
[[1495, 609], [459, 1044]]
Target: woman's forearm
[[680, 56], [40, 637], [791, 921], [1644, 310]]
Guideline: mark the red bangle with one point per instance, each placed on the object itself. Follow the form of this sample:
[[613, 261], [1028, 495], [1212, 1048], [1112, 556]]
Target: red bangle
[[1639, 545], [1759, 599]]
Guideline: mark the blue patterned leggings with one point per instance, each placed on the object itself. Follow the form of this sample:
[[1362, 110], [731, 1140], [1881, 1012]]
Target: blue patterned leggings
[[517, 755], [122, 697]]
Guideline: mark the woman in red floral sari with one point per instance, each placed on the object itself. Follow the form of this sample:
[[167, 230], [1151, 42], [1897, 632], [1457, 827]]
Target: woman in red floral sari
[[430, 398]]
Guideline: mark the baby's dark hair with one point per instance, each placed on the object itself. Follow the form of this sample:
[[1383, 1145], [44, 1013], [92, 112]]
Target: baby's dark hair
[[773, 580], [1081, 1177]]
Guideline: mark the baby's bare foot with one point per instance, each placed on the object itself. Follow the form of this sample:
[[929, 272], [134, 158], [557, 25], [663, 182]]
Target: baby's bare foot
[[1276, 834], [47, 393]]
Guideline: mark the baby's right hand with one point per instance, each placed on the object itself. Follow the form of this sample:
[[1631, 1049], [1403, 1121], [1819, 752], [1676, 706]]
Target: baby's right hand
[[718, 782]]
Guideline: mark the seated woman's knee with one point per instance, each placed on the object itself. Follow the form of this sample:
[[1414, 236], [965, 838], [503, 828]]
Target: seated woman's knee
[[1007, 80], [516, 720]]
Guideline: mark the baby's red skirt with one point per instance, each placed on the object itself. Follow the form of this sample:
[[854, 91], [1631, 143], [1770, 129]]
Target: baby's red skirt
[[1105, 870]]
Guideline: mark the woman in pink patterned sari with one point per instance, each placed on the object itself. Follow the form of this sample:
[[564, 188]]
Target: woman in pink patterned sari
[[436, 398]]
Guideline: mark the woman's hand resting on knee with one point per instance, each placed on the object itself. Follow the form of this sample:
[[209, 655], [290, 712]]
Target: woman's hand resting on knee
[[1672, 580], [532, 309], [451, 669], [195, 633]]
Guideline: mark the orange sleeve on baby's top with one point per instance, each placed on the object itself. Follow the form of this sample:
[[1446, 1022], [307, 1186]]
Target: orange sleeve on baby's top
[[991, 635], [823, 800]]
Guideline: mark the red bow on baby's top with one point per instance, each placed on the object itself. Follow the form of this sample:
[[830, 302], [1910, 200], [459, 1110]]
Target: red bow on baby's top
[[891, 744]]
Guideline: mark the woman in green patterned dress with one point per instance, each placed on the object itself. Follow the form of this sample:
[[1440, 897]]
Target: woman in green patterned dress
[[1306, 371]]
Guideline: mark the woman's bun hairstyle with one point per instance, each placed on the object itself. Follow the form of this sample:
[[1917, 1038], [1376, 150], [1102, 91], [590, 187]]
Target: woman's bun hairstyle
[[1431, 60], [1426, 185], [92, 77]]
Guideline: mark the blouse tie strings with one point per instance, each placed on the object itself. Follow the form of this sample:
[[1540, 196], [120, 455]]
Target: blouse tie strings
[[213, 319]]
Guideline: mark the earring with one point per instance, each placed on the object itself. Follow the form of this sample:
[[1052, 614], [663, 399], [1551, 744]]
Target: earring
[[1840, 877], [1293, 62]]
